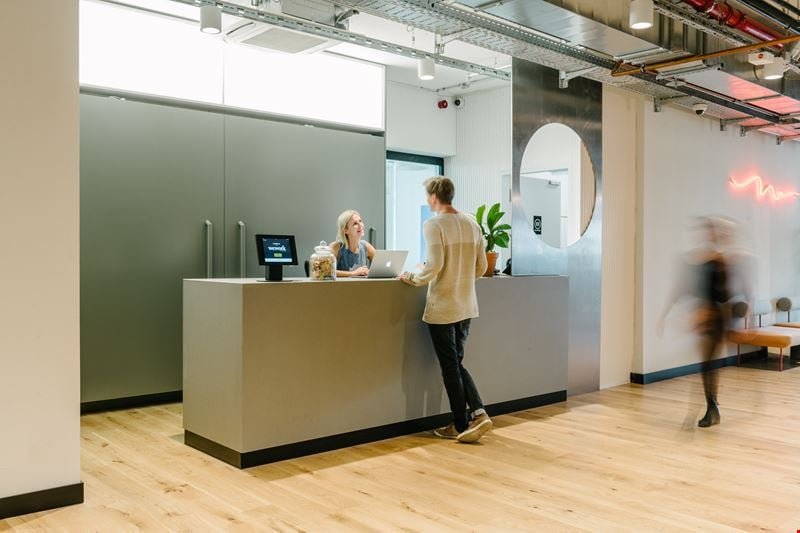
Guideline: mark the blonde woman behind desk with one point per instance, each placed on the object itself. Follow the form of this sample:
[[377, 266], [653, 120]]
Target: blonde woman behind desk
[[350, 250]]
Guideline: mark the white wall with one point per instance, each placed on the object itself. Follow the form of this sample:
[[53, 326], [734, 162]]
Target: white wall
[[414, 123], [620, 109], [483, 152], [39, 306], [687, 162]]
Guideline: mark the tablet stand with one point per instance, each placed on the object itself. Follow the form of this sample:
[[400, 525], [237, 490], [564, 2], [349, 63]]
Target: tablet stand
[[274, 273]]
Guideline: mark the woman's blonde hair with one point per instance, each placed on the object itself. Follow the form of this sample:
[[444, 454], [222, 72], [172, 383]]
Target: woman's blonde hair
[[341, 224]]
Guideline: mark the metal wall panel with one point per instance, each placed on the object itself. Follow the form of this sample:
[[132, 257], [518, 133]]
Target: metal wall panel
[[290, 179], [537, 101], [150, 178], [151, 175]]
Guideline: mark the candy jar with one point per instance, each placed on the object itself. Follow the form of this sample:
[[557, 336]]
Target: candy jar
[[322, 265]]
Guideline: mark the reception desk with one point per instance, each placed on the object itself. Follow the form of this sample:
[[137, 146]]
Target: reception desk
[[278, 370]]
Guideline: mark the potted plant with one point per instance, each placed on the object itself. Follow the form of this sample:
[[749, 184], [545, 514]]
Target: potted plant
[[495, 234]]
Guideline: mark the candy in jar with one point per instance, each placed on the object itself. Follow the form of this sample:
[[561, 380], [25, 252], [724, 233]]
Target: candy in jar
[[322, 265]]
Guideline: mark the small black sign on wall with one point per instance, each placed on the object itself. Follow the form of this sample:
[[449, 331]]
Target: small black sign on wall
[[537, 224]]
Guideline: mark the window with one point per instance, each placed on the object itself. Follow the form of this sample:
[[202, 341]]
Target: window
[[163, 55]]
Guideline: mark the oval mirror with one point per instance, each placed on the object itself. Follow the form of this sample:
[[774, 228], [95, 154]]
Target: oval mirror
[[557, 185]]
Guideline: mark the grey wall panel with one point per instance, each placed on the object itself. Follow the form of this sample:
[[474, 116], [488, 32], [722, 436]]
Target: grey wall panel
[[291, 179], [150, 177], [537, 100]]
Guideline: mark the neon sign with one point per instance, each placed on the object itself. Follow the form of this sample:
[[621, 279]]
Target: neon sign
[[762, 190]]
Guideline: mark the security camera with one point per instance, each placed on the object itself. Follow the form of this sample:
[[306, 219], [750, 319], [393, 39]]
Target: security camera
[[699, 109], [458, 102]]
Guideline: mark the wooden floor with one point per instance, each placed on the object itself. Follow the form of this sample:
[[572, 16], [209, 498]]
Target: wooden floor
[[623, 459]]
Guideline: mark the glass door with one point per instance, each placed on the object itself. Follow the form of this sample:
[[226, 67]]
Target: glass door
[[406, 205]]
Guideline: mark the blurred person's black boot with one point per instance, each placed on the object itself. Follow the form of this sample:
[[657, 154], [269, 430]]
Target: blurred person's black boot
[[712, 413]]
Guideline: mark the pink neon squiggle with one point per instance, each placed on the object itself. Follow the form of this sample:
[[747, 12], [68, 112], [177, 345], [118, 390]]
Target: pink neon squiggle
[[762, 190]]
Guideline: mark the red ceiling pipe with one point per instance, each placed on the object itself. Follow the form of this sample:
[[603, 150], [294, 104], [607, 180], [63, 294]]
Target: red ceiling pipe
[[734, 18]]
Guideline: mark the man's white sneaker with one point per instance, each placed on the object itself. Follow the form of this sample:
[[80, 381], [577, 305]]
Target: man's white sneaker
[[447, 432], [476, 429]]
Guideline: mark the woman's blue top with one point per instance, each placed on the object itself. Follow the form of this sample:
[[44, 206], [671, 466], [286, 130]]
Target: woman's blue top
[[348, 260]]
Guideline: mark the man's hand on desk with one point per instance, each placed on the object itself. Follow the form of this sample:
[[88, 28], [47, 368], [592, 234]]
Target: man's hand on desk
[[407, 278]]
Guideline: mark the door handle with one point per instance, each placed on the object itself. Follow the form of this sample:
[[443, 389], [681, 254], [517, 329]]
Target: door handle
[[242, 265], [209, 248], [371, 237]]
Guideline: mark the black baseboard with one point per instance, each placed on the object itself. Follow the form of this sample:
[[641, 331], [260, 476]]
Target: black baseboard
[[41, 500], [353, 438], [131, 402], [669, 373]]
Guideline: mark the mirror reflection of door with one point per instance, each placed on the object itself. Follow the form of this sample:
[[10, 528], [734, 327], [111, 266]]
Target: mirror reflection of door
[[545, 194], [557, 185], [406, 205]]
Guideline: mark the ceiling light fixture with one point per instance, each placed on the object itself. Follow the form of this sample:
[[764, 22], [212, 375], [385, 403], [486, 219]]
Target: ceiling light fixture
[[774, 70], [641, 14], [210, 19], [426, 68]]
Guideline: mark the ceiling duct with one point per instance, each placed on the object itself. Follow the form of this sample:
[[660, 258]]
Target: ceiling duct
[[734, 18], [777, 16], [263, 35], [479, 27]]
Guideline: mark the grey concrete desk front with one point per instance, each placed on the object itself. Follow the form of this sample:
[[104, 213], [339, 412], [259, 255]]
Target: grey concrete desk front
[[278, 370]]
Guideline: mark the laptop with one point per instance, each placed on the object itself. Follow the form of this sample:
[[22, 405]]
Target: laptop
[[387, 263]]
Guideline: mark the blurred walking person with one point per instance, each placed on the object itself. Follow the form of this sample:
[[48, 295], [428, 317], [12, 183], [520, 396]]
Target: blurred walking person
[[706, 280]]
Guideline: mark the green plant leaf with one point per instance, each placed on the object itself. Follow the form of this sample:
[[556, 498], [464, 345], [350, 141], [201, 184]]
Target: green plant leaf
[[492, 214], [501, 240], [503, 227], [479, 215], [493, 219]]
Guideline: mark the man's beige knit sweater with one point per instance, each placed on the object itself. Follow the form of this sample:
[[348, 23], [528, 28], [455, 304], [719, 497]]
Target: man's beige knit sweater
[[455, 259]]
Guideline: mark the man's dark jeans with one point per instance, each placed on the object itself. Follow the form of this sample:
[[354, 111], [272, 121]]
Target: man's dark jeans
[[448, 341]]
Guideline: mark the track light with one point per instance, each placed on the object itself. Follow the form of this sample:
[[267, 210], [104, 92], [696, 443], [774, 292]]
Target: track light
[[426, 69], [641, 14], [774, 70], [210, 19]]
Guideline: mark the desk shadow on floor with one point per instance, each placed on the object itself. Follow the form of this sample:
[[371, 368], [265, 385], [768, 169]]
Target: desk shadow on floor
[[364, 452]]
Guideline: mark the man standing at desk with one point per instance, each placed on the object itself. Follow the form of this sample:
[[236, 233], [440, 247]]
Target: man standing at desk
[[455, 259]]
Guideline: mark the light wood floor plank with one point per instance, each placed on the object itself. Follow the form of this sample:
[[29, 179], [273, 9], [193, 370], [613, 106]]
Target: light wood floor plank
[[624, 459]]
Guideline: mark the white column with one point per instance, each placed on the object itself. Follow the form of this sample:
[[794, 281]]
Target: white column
[[39, 239]]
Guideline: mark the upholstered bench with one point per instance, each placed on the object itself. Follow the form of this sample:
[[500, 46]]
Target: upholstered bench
[[777, 336]]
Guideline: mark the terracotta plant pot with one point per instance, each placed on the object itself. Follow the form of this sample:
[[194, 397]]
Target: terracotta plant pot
[[491, 258]]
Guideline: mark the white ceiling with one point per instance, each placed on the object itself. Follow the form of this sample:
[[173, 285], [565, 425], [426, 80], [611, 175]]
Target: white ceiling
[[399, 69], [404, 70]]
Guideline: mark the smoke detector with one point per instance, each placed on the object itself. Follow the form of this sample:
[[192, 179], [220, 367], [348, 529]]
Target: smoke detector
[[760, 58]]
